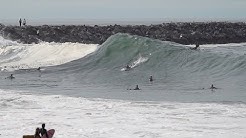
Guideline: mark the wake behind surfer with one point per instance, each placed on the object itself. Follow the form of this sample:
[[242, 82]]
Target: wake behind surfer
[[195, 48]]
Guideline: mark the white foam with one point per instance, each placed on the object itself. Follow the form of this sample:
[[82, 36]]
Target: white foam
[[219, 45], [139, 61], [79, 117], [5, 42], [24, 56], [136, 63]]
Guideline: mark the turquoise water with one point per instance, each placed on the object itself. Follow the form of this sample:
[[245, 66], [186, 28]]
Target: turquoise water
[[180, 74]]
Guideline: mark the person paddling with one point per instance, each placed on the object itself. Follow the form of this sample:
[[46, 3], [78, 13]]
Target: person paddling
[[136, 88], [212, 87], [10, 77]]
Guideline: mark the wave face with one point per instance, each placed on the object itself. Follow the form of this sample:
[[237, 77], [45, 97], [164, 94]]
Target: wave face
[[177, 70], [162, 59]]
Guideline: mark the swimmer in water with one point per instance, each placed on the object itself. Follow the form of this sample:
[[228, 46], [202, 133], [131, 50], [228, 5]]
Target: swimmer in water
[[136, 88], [212, 87], [151, 78], [10, 77]]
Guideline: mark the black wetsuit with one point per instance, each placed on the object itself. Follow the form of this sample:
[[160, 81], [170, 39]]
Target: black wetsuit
[[43, 131]]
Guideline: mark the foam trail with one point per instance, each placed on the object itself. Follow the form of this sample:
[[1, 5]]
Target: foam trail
[[139, 61]]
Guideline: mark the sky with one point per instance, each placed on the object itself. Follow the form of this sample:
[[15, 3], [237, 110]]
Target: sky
[[122, 9]]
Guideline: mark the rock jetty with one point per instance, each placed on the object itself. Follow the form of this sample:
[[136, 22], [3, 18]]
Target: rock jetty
[[183, 33]]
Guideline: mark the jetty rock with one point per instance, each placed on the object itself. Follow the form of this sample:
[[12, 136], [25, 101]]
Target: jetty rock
[[180, 32]]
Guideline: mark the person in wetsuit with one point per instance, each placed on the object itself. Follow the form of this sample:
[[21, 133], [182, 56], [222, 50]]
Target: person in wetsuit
[[136, 88], [151, 78], [128, 67], [10, 77], [212, 87], [36, 135], [43, 131]]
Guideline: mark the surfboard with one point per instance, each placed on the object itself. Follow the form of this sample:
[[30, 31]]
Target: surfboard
[[28, 136], [50, 133]]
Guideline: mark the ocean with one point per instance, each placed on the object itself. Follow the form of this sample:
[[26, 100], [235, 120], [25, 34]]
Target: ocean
[[82, 90]]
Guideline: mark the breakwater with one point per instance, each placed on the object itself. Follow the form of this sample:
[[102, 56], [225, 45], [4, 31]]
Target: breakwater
[[183, 33]]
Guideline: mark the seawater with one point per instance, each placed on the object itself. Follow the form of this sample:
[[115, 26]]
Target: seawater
[[81, 90]]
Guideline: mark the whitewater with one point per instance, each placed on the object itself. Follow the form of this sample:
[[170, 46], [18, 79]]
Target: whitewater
[[81, 89]]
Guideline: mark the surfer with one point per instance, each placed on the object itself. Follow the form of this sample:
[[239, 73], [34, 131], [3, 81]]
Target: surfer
[[127, 68], [136, 88], [151, 78], [36, 135], [39, 68], [195, 48], [43, 131], [10, 77], [212, 87]]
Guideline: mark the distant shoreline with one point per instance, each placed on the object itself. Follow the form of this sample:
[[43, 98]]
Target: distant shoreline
[[180, 32]]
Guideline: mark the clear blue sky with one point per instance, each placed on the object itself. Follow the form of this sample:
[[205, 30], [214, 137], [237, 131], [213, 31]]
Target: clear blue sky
[[122, 9]]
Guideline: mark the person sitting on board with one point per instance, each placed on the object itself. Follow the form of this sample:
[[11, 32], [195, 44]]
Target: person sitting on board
[[10, 77], [43, 131], [36, 135], [136, 88], [39, 68], [212, 87], [151, 78], [195, 48]]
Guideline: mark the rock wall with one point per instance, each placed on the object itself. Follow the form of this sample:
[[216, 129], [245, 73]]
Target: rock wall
[[184, 33]]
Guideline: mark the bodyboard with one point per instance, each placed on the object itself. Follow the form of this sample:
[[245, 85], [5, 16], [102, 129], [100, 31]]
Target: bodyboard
[[50, 133]]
